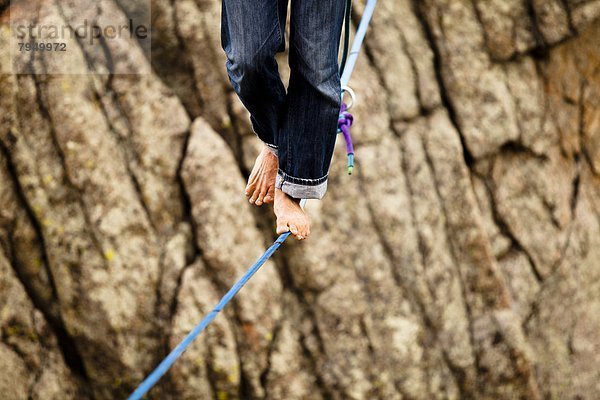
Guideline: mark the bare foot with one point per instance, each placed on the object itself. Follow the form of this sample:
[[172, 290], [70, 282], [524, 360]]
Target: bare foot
[[290, 216], [261, 184]]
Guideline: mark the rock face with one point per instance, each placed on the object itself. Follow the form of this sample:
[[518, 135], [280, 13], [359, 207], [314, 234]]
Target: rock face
[[462, 260]]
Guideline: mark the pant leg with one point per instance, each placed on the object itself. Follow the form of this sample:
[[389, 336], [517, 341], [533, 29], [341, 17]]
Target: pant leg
[[309, 123], [252, 32]]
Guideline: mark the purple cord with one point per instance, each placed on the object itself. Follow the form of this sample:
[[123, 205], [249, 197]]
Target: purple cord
[[344, 123]]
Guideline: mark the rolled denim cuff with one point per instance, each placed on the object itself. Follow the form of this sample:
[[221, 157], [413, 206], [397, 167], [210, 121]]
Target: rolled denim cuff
[[300, 188]]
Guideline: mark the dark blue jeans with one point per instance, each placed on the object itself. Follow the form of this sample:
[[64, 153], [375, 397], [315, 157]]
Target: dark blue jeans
[[301, 125]]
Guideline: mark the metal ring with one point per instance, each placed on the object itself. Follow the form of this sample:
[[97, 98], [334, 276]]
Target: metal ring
[[352, 96]]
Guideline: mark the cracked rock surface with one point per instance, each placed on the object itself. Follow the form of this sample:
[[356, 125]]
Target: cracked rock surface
[[460, 261]]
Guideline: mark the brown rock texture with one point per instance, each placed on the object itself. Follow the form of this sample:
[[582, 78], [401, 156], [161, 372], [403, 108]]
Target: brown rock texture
[[461, 261]]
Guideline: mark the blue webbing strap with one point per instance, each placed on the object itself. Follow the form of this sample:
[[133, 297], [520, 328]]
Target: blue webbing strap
[[164, 366], [358, 41]]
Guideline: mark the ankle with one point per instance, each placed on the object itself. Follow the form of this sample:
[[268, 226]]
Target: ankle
[[285, 197], [270, 149]]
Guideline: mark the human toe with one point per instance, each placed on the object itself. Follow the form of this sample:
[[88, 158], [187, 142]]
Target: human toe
[[254, 197], [261, 196], [282, 227], [296, 231], [305, 231], [270, 196], [250, 188]]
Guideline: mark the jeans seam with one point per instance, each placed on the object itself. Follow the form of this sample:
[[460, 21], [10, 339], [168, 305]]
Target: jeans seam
[[279, 33], [289, 156]]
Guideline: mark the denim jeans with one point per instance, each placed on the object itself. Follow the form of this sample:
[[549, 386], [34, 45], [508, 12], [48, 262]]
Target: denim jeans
[[300, 124]]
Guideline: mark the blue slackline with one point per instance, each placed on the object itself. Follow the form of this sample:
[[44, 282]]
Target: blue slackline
[[165, 364]]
